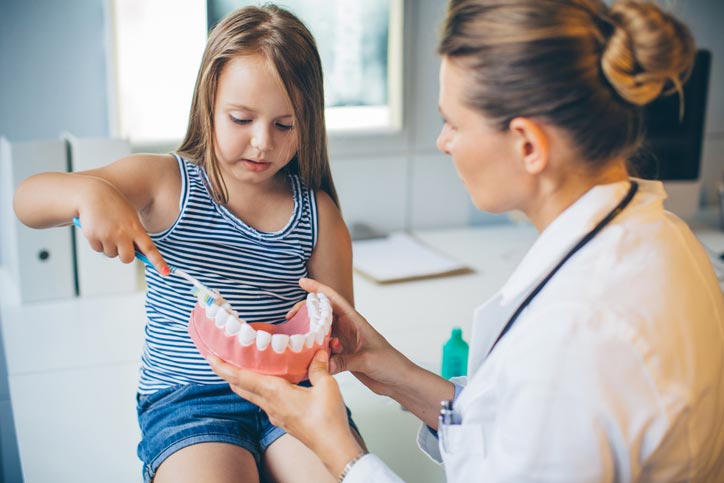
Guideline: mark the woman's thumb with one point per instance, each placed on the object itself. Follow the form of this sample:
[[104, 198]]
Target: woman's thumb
[[319, 367]]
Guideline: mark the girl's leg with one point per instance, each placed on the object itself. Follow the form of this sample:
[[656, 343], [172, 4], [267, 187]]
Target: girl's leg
[[210, 463], [287, 460]]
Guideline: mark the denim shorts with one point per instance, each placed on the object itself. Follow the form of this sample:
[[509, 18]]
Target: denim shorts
[[183, 415]]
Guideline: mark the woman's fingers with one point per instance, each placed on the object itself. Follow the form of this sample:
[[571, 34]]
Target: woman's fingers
[[337, 364], [257, 388], [319, 368], [340, 306]]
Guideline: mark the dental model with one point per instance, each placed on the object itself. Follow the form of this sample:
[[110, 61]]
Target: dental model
[[284, 349]]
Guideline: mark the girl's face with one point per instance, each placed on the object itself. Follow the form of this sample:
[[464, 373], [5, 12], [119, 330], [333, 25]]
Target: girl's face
[[483, 155], [254, 124]]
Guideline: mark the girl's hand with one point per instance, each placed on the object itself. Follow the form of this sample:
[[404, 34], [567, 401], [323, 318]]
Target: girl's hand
[[112, 226], [315, 415], [358, 347]]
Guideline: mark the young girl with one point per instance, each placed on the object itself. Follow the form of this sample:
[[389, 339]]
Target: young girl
[[247, 205]]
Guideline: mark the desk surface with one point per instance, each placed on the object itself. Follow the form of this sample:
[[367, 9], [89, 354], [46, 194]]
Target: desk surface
[[73, 364]]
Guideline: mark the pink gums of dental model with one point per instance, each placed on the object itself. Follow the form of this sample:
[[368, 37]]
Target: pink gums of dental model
[[290, 365]]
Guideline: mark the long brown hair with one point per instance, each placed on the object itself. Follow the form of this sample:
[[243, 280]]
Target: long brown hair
[[577, 64], [288, 45]]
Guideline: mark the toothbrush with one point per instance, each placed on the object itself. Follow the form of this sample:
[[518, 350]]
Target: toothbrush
[[205, 296]]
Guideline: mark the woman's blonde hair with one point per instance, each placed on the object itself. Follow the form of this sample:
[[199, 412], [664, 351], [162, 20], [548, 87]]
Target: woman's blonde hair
[[577, 64], [288, 45]]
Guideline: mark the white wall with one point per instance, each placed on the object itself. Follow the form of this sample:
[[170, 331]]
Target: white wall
[[402, 181]]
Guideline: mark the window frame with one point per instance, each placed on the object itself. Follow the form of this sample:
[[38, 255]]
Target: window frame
[[384, 120]]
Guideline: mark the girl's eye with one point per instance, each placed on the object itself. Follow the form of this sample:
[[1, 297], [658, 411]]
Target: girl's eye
[[239, 121], [285, 127]]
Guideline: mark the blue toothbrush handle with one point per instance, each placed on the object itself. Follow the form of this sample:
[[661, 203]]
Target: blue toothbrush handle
[[139, 255]]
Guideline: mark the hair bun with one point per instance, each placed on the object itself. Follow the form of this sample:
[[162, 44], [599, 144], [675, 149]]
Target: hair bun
[[649, 52]]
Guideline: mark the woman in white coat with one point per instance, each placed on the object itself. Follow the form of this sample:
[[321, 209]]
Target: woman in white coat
[[602, 357]]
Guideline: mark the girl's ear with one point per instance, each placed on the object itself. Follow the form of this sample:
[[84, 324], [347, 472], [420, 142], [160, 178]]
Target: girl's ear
[[531, 144]]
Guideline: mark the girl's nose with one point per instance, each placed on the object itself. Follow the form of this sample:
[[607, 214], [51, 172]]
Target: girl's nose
[[261, 140]]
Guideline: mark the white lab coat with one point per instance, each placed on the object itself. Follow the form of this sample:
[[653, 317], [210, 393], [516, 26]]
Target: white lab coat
[[614, 372]]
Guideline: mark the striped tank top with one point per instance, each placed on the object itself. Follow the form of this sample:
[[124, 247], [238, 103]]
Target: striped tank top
[[256, 272]]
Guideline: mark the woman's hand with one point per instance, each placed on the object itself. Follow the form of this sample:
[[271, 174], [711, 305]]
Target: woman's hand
[[357, 347], [315, 415]]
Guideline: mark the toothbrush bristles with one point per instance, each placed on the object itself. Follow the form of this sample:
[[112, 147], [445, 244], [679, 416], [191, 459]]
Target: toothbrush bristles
[[207, 297]]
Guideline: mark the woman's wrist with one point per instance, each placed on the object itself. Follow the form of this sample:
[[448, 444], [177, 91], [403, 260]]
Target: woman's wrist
[[420, 392], [339, 452], [350, 464], [406, 377]]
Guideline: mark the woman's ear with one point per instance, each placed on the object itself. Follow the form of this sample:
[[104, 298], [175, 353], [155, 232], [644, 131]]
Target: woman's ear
[[531, 144]]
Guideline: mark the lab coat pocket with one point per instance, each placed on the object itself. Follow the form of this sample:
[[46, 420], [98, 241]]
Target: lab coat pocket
[[461, 441]]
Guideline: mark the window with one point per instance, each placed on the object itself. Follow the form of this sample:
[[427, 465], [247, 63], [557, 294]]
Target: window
[[157, 48]]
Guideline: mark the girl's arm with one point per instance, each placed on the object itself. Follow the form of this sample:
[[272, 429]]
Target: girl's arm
[[108, 201], [331, 261]]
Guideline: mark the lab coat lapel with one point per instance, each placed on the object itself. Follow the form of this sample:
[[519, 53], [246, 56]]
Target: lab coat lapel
[[488, 322], [490, 318]]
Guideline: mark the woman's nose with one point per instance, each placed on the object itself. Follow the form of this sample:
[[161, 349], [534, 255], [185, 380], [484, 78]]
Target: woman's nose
[[443, 140]]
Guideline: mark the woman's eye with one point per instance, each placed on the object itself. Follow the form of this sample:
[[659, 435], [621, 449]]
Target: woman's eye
[[239, 121], [449, 126], [285, 127]]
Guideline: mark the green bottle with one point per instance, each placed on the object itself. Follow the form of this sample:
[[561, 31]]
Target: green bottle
[[455, 355]]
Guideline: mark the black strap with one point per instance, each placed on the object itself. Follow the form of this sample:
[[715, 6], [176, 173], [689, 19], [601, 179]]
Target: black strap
[[582, 242]]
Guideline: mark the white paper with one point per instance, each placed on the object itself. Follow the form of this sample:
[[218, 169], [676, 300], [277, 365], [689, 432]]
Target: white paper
[[398, 257]]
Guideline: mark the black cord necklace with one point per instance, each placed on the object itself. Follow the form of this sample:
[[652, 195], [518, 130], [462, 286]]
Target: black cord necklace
[[581, 243]]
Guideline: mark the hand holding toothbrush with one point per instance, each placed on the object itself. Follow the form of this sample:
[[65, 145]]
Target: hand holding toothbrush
[[113, 227]]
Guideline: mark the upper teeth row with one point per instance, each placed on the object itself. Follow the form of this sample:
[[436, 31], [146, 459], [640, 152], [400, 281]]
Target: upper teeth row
[[320, 322]]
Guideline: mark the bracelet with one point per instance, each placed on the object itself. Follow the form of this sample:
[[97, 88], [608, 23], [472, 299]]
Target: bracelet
[[348, 466]]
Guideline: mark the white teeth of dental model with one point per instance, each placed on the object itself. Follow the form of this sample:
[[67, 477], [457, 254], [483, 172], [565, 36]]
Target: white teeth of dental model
[[279, 342], [309, 339], [320, 313], [296, 342], [247, 335], [212, 310], [262, 339], [221, 317], [319, 336], [232, 325]]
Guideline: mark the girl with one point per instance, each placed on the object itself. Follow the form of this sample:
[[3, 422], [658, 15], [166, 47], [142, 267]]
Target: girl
[[602, 357], [247, 205]]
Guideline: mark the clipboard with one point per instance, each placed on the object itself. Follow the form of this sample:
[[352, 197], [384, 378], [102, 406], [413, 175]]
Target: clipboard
[[400, 257]]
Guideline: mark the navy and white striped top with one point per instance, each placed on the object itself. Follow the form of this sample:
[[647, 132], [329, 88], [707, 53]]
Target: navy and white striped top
[[256, 272]]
